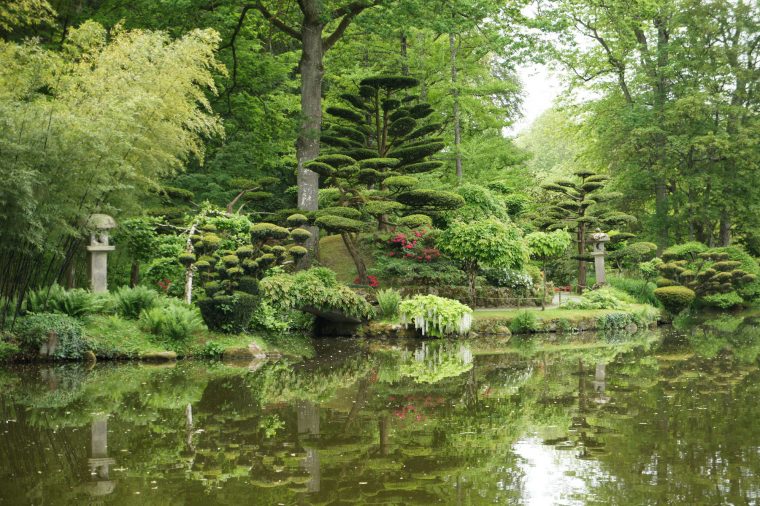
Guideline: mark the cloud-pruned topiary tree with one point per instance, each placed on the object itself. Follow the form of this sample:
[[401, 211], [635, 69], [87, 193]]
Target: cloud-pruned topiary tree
[[231, 256], [579, 209], [378, 140]]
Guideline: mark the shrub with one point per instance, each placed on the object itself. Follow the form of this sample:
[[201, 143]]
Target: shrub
[[723, 300], [8, 350], [33, 331], [130, 302], [675, 298], [269, 318], [596, 299], [316, 288], [614, 321], [640, 289], [389, 301], [77, 303], [176, 322], [228, 313], [524, 322], [436, 316]]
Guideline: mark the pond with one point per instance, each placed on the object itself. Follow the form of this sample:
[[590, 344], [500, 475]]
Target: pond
[[665, 417]]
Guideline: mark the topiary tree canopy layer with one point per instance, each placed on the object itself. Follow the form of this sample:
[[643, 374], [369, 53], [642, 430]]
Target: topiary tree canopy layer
[[579, 208], [378, 139]]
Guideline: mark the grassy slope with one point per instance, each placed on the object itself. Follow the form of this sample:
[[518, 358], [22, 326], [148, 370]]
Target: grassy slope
[[124, 339], [334, 255]]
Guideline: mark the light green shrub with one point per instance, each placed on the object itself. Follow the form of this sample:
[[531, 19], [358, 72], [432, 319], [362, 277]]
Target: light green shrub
[[77, 303], [524, 322], [436, 316], [388, 300], [130, 302], [596, 299], [675, 298], [641, 290], [177, 322], [723, 300]]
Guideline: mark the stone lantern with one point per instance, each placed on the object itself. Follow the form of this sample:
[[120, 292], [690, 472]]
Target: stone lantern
[[99, 225], [599, 239]]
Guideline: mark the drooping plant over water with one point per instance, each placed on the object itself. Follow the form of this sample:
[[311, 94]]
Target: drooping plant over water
[[436, 316]]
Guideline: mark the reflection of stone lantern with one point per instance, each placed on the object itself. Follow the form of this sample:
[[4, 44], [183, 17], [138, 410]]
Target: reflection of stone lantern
[[599, 239], [99, 225], [99, 461]]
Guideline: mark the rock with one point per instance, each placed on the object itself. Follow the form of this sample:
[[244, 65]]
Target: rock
[[89, 357], [159, 356], [250, 352], [502, 330]]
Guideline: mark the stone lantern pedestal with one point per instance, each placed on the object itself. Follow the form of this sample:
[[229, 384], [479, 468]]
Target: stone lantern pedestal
[[599, 239], [99, 225]]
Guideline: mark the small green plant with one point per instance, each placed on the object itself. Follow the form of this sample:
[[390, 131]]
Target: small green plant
[[267, 317], [524, 322], [35, 329], [175, 322], [130, 302], [212, 350], [388, 300], [641, 290], [436, 316], [614, 321], [77, 303], [564, 326], [8, 350], [596, 299], [723, 300], [675, 298]]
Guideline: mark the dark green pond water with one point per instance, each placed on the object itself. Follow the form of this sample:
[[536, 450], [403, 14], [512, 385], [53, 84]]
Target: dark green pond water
[[670, 417]]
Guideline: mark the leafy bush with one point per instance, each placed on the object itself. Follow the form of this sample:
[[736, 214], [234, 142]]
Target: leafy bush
[[640, 289], [723, 300], [267, 317], [596, 299], [8, 350], [520, 282], [436, 316], [77, 303], [130, 302], [33, 331], [316, 287], [614, 321], [177, 322], [675, 298], [524, 322], [228, 313], [389, 301]]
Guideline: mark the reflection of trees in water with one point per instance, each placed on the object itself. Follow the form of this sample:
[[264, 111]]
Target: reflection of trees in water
[[433, 361], [206, 427]]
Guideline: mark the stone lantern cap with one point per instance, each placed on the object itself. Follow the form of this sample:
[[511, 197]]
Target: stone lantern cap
[[100, 222], [600, 236]]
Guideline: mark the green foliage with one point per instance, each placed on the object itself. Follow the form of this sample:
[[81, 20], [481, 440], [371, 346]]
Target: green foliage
[[546, 245], [436, 316], [486, 243], [615, 321], [596, 299], [130, 302], [415, 221], [426, 199], [269, 318], [689, 250], [228, 313], [33, 331], [78, 302], [640, 289], [388, 300], [675, 298], [340, 224], [723, 300], [176, 322], [524, 322], [124, 107], [316, 287]]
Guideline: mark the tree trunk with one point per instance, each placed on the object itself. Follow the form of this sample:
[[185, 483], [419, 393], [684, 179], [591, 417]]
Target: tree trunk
[[725, 228], [472, 275], [661, 214], [543, 298], [190, 271], [134, 274], [404, 58], [361, 269], [581, 260], [455, 94], [307, 145]]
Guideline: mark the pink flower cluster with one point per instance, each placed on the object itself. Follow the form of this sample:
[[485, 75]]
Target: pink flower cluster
[[412, 247]]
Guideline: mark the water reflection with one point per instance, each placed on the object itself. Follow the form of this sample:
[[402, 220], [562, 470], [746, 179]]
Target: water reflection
[[649, 419]]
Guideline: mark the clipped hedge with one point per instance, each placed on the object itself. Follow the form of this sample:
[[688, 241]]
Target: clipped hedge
[[228, 313], [675, 298]]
